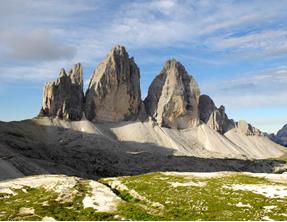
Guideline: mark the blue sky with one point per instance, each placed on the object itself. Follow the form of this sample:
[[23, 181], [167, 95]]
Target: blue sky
[[236, 50]]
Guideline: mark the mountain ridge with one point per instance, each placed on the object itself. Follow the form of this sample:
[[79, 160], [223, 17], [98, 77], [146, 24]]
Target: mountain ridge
[[174, 99], [280, 137]]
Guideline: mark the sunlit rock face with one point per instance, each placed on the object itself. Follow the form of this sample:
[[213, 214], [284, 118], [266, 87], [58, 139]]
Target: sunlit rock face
[[64, 97], [247, 128], [173, 96], [114, 92]]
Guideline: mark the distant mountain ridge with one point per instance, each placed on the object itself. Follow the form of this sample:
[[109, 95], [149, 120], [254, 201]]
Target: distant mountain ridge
[[281, 136]]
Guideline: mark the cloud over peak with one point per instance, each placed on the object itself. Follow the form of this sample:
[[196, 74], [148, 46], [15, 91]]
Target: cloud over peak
[[37, 45]]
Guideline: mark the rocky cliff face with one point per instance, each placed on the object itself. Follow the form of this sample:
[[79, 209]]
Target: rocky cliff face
[[280, 137], [114, 95], [114, 89], [64, 97], [214, 117], [247, 129], [173, 96]]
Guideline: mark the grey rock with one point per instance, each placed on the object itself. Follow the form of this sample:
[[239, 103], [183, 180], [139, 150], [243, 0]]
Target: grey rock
[[280, 137], [172, 99], [142, 115], [248, 129], [214, 117], [114, 92], [282, 132], [64, 97]]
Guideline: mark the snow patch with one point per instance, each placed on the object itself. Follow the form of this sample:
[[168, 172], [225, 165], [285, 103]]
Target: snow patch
[[48, 219], [270, 191], [187, 184], [267, 218], [26, 211], [101, 198], [240, 204], [7, 191], [269, 207]]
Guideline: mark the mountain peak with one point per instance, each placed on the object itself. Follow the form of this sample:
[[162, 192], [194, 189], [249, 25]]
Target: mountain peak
[[118, 49], [173, 97], [64, 97], [114, 90]]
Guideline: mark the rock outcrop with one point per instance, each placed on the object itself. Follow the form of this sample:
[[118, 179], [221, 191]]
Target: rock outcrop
[[114, 89], [247, 128], [214, 117], [172, 99], [64, 97]]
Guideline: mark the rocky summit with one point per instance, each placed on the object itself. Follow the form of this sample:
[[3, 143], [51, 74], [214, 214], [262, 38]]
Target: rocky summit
[[114, 89], [247, 128], [213, 116], [173, 96], [64, 97]]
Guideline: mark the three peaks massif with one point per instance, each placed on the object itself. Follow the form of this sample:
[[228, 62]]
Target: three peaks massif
[[114, 95], [110, 131]]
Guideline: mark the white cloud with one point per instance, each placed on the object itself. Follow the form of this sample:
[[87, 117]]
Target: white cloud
[[37, 45], [43, 72], [260, 44], [263, 89], [253, 100], [84, 31]]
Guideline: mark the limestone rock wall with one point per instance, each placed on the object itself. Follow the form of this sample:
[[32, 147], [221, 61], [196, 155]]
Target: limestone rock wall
[[114, 89], [173, 96], [215, 117], [64, 97]]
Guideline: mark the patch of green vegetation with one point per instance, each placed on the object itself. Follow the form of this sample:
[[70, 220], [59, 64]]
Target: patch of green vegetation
[[239, 178], [133, 211], [35, 197], [161, 197], [123, 194], [213, 201]]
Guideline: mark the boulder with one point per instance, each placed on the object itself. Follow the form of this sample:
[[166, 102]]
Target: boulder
[[214, 117], [114, 92], [64, 97], [172, 99]]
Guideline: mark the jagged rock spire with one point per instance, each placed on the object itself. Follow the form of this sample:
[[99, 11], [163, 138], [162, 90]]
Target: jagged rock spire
[[215, 117], [64, 97], [173, 96], [114, 89]]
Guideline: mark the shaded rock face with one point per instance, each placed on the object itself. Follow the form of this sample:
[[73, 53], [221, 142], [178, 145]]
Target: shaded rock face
[[64, 97], [248, 129], [282, 132], [114, 89], [173, 96], [214, 117], [280, 137]]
